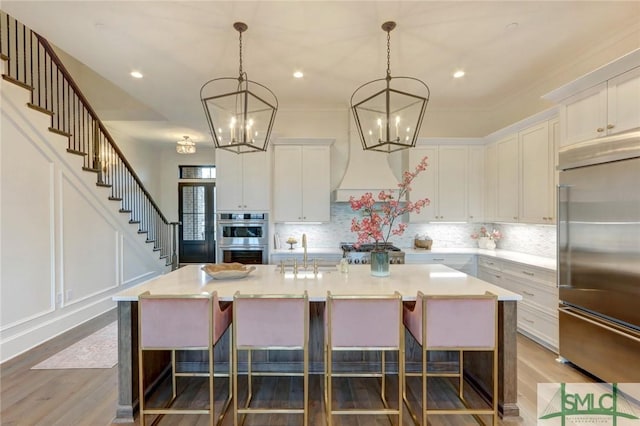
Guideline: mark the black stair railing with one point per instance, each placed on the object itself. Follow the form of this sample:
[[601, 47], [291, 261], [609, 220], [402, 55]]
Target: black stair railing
[[32, 63]]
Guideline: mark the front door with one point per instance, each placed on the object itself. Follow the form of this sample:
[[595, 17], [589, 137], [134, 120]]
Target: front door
[[197, 218]]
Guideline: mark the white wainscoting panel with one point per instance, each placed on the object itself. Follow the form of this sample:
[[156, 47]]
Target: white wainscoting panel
[[89, 244], [136, 265], [27, 228]]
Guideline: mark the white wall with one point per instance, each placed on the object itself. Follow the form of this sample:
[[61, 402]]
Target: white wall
[[65, 250]]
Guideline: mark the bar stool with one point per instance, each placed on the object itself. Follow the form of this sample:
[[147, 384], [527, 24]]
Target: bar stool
[[185, 322], [364, 323], [454, 323], [279, 322]]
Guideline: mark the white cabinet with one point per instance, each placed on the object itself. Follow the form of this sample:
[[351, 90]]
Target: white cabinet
[[491, 182], [302, 183], [475, 184], [605, 109], [444, 183], [243, 181], [507, 187], [538, 310], [520, 176], [537, 187]]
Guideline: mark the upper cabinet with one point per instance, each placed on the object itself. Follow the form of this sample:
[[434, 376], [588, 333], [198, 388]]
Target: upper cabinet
[[507, 188], [520, 176], [537, 185], [446, 183], [601, 103], [243, 181], [608, 108], [301, 184], [475, 186]]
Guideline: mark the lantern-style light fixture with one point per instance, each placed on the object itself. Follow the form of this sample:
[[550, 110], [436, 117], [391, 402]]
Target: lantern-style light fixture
[[185, 146], [389, 118], [240, 111]]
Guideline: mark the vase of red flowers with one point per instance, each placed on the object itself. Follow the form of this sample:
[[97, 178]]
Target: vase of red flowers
[[380, 218]]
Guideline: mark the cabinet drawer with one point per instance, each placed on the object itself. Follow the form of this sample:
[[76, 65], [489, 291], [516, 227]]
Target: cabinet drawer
[[489, 263], [537, 296], [539, 325], [530, 273], [490, 275]]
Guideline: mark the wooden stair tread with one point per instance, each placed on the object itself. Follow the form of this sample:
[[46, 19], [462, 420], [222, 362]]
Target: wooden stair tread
[[17, 82], [140, 231], [89, 169], [60, 132], [125, 211], [115, 199], [103, 185], [40, 109], [134, 221], [73, 151]]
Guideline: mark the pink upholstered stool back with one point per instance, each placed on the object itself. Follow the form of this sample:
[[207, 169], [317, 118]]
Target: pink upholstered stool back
[[364, 321], [271, 321], [181, 321], [454, 321]]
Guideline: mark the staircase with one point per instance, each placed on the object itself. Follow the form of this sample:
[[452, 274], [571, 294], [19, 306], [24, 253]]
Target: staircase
[[31, 63]]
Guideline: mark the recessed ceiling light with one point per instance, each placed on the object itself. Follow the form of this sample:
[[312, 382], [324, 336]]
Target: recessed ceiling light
[[512, 26], [298, 74], [458, 74], [136, 74]]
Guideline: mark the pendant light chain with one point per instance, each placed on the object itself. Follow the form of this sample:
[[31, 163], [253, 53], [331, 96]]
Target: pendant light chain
[[240, 53], [389, 54]]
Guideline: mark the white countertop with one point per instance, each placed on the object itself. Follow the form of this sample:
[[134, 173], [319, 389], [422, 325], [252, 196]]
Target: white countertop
[[514, 256], [432, 279]]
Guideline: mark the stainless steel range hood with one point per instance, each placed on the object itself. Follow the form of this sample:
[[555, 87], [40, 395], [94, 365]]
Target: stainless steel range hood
[[367, 171]]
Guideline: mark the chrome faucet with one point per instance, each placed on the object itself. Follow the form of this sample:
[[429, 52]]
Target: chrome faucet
[[304, 255]]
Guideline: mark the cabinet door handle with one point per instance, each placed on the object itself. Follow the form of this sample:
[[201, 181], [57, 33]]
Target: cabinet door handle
[[439, 260], [600, 130], [526, 293], [515, 217], [498, 276], [528, 273], [470, 217], [610, 126]]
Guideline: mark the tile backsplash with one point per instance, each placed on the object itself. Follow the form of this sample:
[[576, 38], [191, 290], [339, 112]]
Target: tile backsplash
[[539, 240]]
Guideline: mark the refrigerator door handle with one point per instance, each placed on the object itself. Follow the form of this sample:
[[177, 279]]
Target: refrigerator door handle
[[600, 322], [562, 236]]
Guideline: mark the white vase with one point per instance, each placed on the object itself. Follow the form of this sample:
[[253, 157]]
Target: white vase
[[482, 242], [491, 244]]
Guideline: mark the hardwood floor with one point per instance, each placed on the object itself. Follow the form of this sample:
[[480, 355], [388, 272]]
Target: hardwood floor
[[88, 397]]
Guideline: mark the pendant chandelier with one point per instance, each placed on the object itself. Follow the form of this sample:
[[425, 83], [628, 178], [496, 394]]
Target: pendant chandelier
[[240, 112], [389, 118], [185, 146]]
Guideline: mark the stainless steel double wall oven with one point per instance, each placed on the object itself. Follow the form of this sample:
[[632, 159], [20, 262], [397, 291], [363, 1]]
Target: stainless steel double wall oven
[[243, 237]]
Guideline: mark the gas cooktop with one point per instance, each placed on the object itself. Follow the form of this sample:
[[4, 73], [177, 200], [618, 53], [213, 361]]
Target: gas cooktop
[[364, 248], [360, 254]]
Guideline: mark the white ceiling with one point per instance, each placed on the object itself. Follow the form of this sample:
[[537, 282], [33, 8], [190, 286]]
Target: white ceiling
[[339, 45]]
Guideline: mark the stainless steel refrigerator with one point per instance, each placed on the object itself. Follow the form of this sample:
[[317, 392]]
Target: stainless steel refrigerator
[[599, 256]]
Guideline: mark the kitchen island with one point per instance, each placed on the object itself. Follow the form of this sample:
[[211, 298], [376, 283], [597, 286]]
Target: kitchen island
[[268, 279]]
